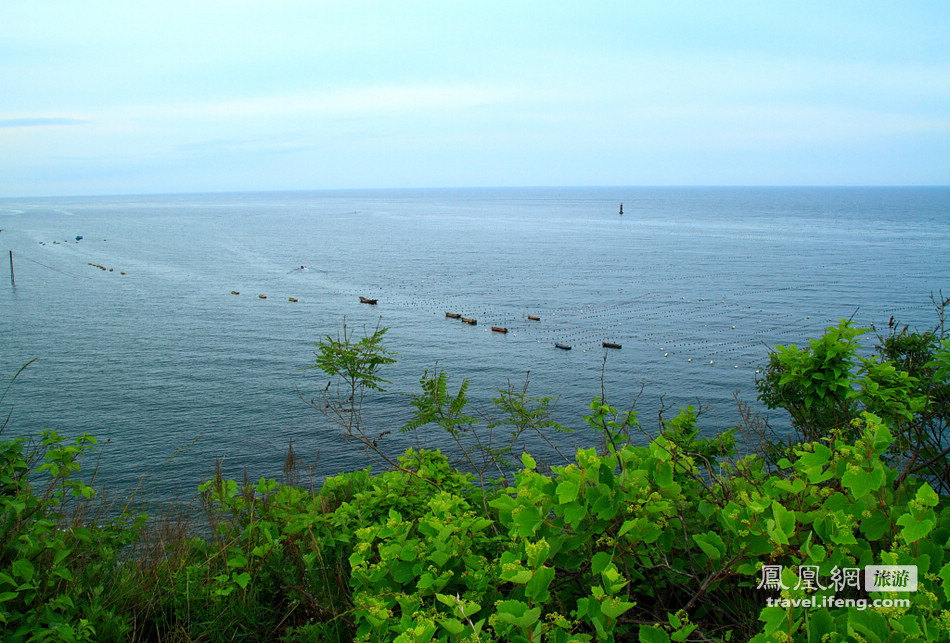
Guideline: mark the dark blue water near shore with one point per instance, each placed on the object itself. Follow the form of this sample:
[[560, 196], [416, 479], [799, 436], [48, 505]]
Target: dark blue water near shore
[[175, 371]]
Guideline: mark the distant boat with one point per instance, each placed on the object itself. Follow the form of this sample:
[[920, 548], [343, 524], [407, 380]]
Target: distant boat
[[453, 315], [469, 320], [263, 296], [365, 300], [563, 346], [234, 292], [79, 238], [621, 209], [611, 345], [534, 318], [499, 329], [291, 299]]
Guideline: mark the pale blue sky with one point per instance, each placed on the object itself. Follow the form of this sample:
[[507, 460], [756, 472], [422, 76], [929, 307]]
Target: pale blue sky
[[104, 97]]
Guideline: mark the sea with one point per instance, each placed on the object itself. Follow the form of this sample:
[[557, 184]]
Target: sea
[[144, 318]]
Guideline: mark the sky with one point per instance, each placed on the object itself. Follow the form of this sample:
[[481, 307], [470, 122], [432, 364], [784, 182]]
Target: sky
[[133, 97]]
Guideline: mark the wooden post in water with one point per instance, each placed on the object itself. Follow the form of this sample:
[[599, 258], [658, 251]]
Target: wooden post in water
[[12, 278]]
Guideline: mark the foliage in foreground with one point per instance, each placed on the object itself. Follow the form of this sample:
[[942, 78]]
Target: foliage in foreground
[[663, 542]]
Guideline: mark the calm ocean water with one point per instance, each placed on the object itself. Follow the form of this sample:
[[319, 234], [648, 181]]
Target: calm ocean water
[[174, 371]]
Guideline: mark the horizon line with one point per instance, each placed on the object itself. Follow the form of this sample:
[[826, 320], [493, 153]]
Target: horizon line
[[485, 187]]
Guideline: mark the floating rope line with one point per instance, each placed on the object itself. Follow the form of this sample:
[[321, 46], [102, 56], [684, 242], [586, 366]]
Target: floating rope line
[[62, 272]]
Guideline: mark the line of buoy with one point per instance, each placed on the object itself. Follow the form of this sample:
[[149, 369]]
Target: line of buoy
[[560, 344], [261, 296], [103, 268]]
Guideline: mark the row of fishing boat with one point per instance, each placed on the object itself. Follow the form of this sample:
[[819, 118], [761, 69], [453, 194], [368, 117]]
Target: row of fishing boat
[[500, 329], [468, 320]]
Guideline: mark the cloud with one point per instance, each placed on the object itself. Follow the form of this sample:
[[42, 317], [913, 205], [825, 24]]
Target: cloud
[[40, 122], [216, 147], [350, 102]]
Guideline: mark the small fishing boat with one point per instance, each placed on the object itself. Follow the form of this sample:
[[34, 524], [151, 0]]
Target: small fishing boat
[[453, 315], [499, 329], [234, 292], [534, 318], [563, 346], [291, 299], [469, 320], [611, 345], [262, 296], [366, 300]]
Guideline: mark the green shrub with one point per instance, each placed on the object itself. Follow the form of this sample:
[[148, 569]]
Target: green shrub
[[57, 560], [679, 539], [907, 384]]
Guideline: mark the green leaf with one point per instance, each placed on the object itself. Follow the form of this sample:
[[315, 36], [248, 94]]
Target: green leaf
[[927, 496], [613, 607], [517, 613], [868, 624], [914, 529], [876, 525], [944, 574], [599, 562], [237, 560], [425, 581], [792, 485], [528, 521], [62, 572], [711, 544], [575, 512], [664, 474], [861, 482], [683, 633], [528, 462], [784, 524], [453, 626], [242, 579], [627, 526], [650, 634], [519, 575], [649, 533], [537, 587], [440, 558], [23, 569], [567, 491], [447, 599], [61, 555], [467, 608], [819, 624]]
